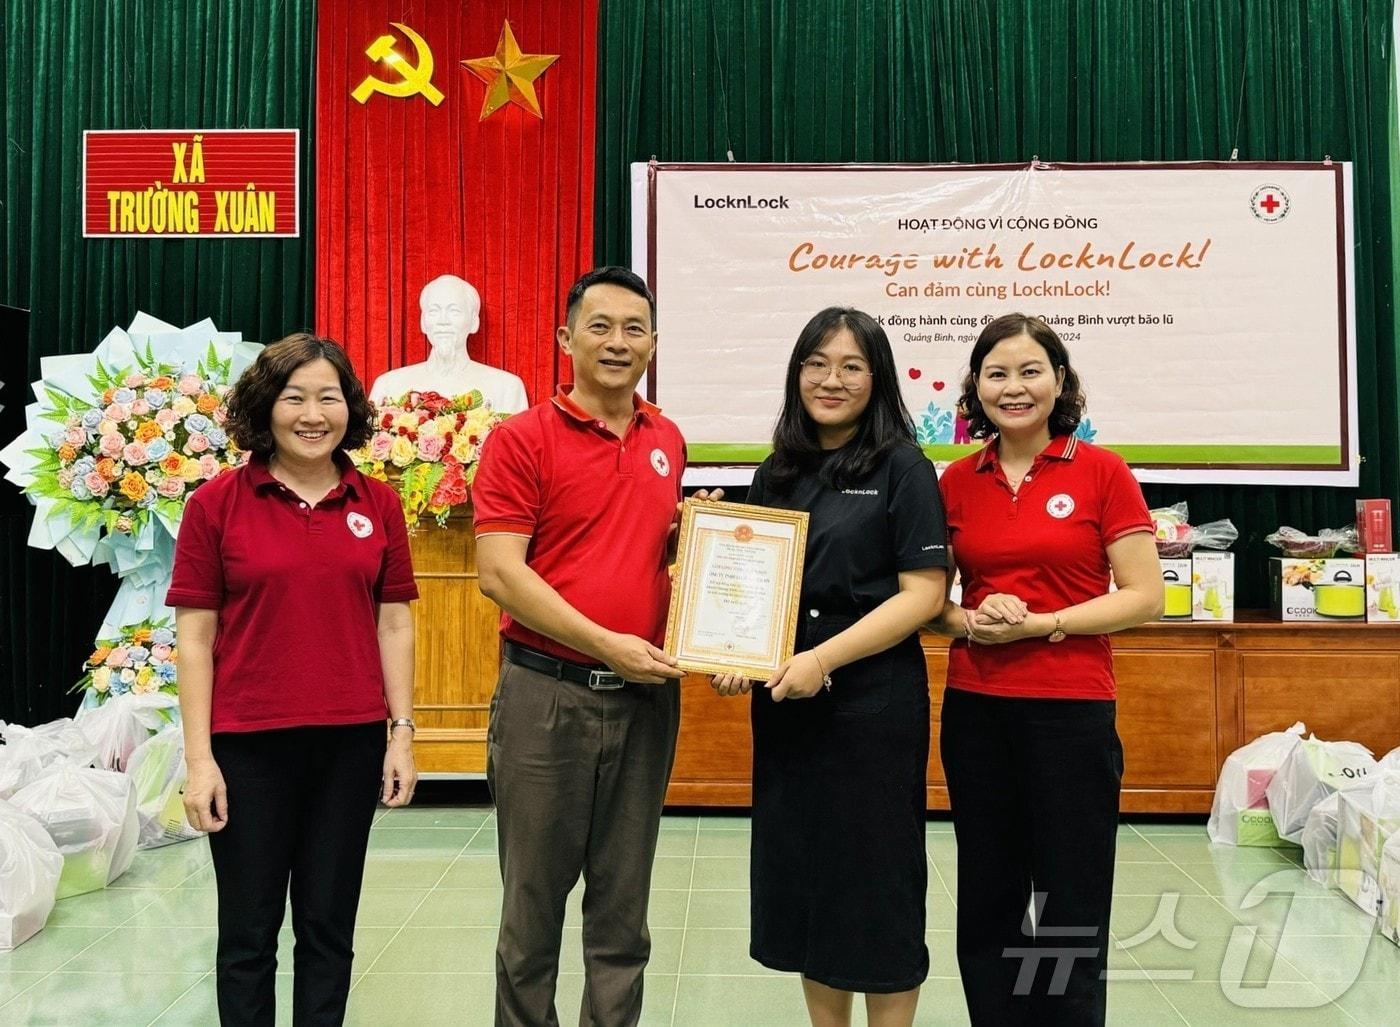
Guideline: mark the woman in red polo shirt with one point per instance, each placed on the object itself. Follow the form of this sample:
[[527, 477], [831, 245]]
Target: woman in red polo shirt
[[291, 587], [1036, 520]]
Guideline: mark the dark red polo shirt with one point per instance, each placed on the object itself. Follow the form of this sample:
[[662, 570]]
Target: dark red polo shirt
[[1046, 545], [596, 508], [297, 589]]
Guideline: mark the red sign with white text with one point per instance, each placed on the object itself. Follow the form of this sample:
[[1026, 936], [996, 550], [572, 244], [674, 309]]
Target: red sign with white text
[[192, 184]]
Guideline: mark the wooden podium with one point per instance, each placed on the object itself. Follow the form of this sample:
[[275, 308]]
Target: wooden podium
[[457, 650]]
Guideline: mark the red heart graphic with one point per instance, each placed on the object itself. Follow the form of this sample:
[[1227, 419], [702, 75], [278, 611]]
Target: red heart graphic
[[915, 373], [938, 386]]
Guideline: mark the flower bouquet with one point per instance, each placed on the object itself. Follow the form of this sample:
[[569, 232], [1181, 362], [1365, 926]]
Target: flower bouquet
[[427, 446], [139, 660], [115, 443]]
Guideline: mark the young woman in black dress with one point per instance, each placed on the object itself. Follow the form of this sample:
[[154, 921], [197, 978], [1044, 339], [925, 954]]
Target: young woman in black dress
[[841, 732]]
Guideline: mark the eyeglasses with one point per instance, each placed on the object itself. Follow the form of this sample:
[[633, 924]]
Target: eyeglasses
[[815, 370]]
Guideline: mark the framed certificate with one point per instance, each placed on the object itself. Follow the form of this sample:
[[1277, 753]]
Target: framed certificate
[[734, 603]]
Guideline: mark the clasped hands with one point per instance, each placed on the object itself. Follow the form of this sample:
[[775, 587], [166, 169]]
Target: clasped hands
[[1003, 617], [800, 677]]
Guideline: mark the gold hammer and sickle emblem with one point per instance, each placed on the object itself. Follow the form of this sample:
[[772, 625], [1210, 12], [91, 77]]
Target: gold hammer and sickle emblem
[[413, 78]]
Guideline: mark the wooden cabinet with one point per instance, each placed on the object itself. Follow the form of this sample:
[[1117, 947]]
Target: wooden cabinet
[[1188, 694]]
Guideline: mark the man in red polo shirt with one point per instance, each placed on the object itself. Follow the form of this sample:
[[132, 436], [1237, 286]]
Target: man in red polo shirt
[[574, 502]]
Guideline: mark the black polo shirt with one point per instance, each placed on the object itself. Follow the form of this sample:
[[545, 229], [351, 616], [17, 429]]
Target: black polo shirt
[[860, 537]]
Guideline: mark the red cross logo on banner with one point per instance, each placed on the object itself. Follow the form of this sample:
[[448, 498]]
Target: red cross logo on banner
[[1269, 204]]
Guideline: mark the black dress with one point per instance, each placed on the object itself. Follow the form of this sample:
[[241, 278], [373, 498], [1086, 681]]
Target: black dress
[[838, 869]]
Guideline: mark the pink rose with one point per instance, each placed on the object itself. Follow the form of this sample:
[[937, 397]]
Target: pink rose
[[430, 447], [220, 415], [65, 478], [111, 445], [379, 446], [140, 408], [197, 443], [166, 418], [160, 652], [171, 488], [134, 453], [208, 466], [116, 412], [96, 484], [75, 437], [117, 656], [134, 380], [190, 385]]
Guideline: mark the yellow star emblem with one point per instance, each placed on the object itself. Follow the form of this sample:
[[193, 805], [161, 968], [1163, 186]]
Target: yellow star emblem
[[509, 75]]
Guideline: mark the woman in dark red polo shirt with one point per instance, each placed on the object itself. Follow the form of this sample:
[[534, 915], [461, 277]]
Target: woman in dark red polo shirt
[[291, 587], [1036, 520]]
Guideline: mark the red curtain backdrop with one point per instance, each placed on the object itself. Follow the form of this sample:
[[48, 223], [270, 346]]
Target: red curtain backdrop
[[406, 191]]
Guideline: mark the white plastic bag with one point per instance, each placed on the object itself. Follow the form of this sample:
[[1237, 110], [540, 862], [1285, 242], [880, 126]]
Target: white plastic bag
[[157, 770], [91, 816], [30, 865], [1391, 760], [1243, 786], [1320, 840], [29, 751], [123, 722], [1314, 770]]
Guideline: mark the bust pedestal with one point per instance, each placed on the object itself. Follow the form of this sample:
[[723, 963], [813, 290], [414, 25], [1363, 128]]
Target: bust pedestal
[[456, 649]]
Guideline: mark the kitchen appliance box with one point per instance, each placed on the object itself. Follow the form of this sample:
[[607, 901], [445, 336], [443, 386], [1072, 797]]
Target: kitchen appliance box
[[1212, 586], [1373, 525], [1176, 580], [1383, 588], [1317, 590], [1199, 587]]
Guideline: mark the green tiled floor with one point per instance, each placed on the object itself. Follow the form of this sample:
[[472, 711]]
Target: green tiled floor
[[1202, 936]]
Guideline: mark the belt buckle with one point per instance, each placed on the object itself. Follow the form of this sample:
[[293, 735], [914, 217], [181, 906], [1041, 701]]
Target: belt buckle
[[605, 681]]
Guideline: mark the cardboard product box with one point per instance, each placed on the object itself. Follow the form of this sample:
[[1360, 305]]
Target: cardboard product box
[[1383, 588], [1373, 525], [1361, 840], [1176, 579], [1255, 827], [1317, 590], [1212, 586], [1390, 889]]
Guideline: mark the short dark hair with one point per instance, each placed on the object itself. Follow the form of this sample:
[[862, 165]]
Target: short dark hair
[[250, 402], [610, 275], [884, 424], [1069, 405]]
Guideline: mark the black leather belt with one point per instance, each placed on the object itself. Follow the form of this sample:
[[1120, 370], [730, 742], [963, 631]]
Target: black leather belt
[[600, 678]]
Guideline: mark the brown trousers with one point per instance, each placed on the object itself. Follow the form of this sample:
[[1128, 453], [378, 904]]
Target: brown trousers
[[578, 778]]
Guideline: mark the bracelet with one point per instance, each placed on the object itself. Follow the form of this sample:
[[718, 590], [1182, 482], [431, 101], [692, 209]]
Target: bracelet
[[403, 722], [826, 678]]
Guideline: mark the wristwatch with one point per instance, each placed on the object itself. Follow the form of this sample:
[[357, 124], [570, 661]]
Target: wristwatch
[[403, 722], [1058, 635]]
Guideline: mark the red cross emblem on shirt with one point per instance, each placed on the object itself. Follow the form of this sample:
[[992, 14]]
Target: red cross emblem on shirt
[[1269, 203]]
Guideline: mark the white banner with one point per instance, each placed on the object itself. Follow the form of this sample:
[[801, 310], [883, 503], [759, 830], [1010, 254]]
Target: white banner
[[1206, 307]]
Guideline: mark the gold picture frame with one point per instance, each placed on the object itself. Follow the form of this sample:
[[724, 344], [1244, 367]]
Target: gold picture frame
[[736, 596]]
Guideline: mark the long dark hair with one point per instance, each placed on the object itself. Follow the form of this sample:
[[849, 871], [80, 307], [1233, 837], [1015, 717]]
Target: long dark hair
[[251, 399], [1069, 405], [884, 425]]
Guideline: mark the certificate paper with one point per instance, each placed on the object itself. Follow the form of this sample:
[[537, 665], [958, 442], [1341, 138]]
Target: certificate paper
[[734, 603]]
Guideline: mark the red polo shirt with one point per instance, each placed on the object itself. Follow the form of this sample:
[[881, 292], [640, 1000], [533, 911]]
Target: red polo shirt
[[297, 589], [596, 508], [1045, 545]]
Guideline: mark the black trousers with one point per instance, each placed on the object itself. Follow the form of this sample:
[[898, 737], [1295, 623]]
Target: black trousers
[[300, 804], [1033, 785]]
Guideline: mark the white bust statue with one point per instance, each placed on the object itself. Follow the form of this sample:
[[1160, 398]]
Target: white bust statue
[[451, 311]]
